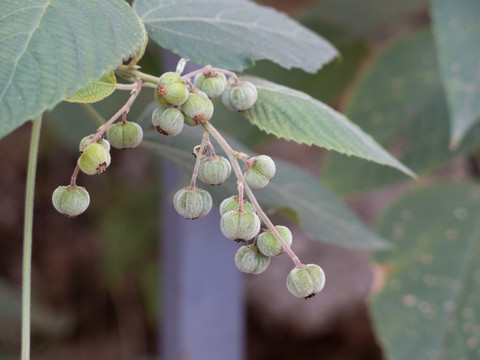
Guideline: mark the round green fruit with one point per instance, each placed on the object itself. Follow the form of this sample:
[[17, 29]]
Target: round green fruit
[[192, 202], [269, 245], [86, 140], [240, 96], [211, 83], [260, 172], [304, 281], [214, 170], [240, 225], [231, 203], [197, 109], [251, 261], [125, 135], [171, 90], [167, 121], [94, 160], [70, 201]]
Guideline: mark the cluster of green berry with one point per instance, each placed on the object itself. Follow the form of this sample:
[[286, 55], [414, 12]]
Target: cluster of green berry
[[72, 200], [181, 102]]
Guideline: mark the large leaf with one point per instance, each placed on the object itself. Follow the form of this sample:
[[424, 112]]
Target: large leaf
[[332, 80], [321, 214], [96, 90], [52, 48], [296, 116], [232, 34], [456, 27], [428, 308], [364, 18], [399, 101]]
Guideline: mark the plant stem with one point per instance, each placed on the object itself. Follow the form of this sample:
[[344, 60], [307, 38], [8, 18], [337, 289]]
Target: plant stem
[[199, 157], [27, 237], [238, 173], [123, 110], [125, 86], [132, 75]]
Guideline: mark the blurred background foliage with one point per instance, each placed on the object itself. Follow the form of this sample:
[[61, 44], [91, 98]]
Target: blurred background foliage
[[103, 302]]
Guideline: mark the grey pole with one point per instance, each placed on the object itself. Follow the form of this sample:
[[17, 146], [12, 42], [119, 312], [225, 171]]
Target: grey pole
[[202, 315]]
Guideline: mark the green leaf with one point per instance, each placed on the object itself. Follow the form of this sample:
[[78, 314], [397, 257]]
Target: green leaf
[[456, 26], [96, 90], [232, 34], [294, 115], [433, 275], [53, 48], [364, 18], [332, 80], [399, 101], [321, 214]]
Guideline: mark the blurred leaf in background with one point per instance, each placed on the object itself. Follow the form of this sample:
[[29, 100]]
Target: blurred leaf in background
[[433, 274], [399, 100], [456, 26]]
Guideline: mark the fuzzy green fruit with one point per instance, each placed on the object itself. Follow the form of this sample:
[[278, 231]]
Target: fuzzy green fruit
[[214, 170], [70, 200], [84, 142], [260, 172], [192, 202], [94, 160], [171, 90], [211, 83], [231, 203], [240, 96], [167, 121], [125, 135], [304, 281], [251, 261], [269, 245], [197, 109], [240, 225]]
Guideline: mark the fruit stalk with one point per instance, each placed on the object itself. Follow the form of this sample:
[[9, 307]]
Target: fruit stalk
[[203, 144], [123, 110], [238, 173]]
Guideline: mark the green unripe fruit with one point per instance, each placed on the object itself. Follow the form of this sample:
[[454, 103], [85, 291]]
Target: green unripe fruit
[[251, 261], [70, 200], [84, 142], [269, 245], [240, 96], [231, 203], [304, 281], [171, 90], [240, 225], [192, 202], [260, 172], [211, 83], [94, 160], [197, 109], [214, 170], [167, 121], [125, 135]]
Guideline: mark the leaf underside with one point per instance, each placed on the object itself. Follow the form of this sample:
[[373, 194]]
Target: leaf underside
[[53, 48], [296, 116], [232, 34]]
